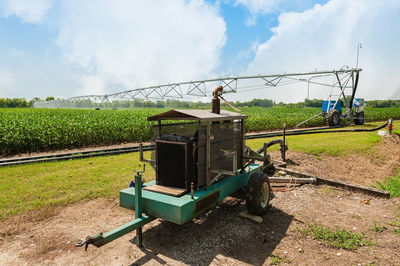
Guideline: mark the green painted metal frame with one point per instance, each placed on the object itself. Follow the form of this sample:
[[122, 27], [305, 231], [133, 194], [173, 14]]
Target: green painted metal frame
[[138, 204], [178, 210], [101, 239], [182, 209]]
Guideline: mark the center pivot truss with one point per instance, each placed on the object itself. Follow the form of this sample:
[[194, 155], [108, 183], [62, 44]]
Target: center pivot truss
[[334, 79]]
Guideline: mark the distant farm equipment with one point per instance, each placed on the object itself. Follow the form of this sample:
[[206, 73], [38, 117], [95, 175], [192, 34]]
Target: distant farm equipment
[[343, 79], [333, 112], [337, 80], [332, 109]]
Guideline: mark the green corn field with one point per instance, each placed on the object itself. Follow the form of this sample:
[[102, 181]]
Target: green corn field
[[31, 130]]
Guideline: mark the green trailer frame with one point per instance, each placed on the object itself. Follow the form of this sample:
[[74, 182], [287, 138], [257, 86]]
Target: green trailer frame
[[178, 210]]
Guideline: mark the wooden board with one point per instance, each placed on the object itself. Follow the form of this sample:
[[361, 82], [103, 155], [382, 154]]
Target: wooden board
[[172, 191]]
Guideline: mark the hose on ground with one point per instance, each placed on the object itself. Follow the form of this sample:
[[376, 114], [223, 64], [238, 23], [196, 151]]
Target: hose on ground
[[291, 133]]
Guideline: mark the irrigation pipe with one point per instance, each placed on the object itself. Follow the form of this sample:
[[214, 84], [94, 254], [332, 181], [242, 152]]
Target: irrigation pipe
[[337, 183], [310, 131]]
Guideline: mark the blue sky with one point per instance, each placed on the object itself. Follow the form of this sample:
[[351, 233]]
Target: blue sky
[[241, 37], [69, 48]]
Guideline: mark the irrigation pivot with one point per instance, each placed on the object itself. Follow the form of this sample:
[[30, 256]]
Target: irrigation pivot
[[203, 88]]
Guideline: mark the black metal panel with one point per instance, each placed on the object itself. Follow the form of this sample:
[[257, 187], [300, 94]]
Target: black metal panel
[[207, 203], [174, 163]]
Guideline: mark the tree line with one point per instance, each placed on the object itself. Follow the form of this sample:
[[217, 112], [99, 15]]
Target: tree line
[[172, 103], [14, 103]]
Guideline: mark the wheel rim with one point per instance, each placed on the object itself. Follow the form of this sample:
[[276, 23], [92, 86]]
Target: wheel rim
[[335, 119], [264, 194], [359, 117]]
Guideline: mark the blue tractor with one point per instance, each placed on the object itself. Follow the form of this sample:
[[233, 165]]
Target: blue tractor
[[333, 111], [342, 106]]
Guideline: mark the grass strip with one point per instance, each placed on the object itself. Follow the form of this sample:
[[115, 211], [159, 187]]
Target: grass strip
[[337, 239], [391, 184], [45, 185], [337, 144]]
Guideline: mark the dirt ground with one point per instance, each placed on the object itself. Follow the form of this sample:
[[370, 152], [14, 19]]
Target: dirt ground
[[222, 237], [219, 238], [362, 169]]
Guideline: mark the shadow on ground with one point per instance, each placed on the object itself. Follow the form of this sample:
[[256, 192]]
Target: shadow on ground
[[221, 231]]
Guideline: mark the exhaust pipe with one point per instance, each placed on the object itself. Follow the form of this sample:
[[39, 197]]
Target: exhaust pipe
[[216, 104]]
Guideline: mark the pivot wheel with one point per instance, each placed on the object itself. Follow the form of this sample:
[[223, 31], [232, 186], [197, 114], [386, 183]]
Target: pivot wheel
[[333, 118], [258, 194], [359, 118]]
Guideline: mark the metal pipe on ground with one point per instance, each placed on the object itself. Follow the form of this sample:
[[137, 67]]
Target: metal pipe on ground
[[280, 133], [305, 121], [297, 180], [71, 156], [340, 184], [292, 133]]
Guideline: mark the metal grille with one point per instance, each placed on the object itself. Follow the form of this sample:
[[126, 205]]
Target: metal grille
[[225, 139], [226, 145], [186, 129]]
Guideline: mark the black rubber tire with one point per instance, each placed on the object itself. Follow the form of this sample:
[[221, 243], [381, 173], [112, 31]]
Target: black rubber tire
[[333, 118], [359, 118], [257, 202]]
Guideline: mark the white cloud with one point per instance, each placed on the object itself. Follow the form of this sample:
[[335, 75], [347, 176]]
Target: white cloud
[[6, 80], [32, 11], [131, 43], [256, 7], [14, 52], [92, 85], [396, 94], [326, 37], [259, 7]]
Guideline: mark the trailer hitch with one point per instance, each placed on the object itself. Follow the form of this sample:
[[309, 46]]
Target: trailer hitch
[[89, 240], [101, 239], [141, 219]]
